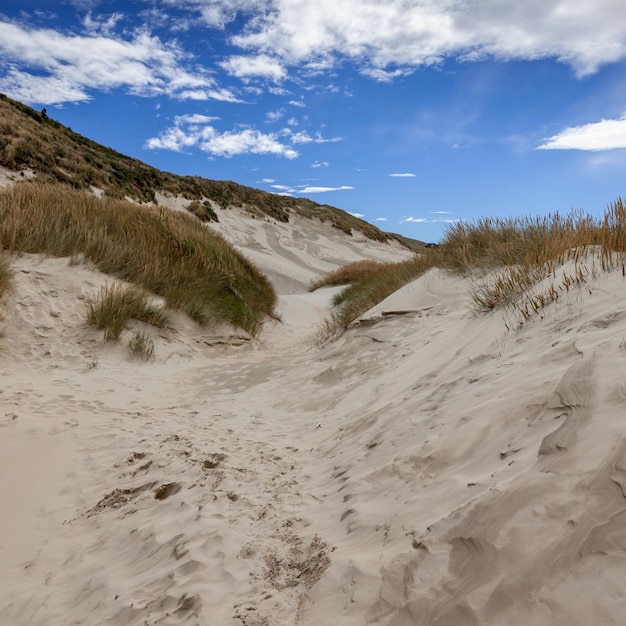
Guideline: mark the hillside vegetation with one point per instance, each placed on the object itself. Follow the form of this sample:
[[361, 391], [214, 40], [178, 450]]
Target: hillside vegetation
[[519, 264], [168, 254], [31, 139]]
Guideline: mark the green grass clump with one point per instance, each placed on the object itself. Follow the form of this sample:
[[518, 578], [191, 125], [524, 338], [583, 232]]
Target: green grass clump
[[116, 304], [166, 253]]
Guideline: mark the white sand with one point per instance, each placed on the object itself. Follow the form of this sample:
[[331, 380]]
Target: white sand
[[429, 467]]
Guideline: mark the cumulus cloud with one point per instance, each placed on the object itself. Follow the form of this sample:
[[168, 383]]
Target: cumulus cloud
[[263, 66], [406, 175], [55, 68], [190, 132], [597, 136], [397, 35]]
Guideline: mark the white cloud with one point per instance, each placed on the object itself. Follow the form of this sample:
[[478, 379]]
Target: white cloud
[[603, 135], [262, 66], [195, 118], [318, 164], [385, 40], [359, 215], [274, 116], [427, 220], [406, 175], [380, 219], [56, 68], [397, 35], [184, 135], [216, 13], [323, 189], [297, 103], [303, 137], [384, 76]]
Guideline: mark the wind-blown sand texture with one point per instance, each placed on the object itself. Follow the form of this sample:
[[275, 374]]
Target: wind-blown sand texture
[[428, 467]]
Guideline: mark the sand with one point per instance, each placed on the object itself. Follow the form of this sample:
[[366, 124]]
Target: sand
[[430, 466]]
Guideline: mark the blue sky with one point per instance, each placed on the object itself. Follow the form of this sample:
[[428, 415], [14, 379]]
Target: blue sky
[[410, 113]]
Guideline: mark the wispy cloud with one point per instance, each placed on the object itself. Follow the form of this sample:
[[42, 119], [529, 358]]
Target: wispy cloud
[[303, 137], [597, 136], [406, 175], [428, 220], [318, 164], [359, 215], [324, 189], [274, 116], [380, 219], [307, 189]]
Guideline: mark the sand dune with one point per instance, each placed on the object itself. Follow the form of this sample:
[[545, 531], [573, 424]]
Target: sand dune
[[428, 467]]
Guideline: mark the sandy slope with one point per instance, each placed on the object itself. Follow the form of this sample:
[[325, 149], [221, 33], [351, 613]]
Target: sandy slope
[[292, 254], [429, 467]]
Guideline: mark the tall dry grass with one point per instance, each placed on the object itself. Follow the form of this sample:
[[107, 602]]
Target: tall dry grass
[[371, 284], [6, 276], [169, 254], [522, 259], [523, 263], [116, 304]]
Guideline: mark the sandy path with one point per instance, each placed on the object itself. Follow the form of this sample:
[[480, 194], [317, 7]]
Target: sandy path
[[429, 467]]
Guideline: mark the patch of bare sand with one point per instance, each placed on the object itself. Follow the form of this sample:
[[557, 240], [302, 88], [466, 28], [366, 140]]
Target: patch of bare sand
[[429, 467]]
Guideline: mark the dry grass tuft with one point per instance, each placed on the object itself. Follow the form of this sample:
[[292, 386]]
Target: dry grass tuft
[[169, 254], [141, 345], [6, 276], [116, 304], [374, 285], [346, 274]]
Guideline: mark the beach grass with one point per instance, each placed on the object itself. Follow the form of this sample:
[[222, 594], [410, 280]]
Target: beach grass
[[520, 263], [116, 304], [172, 255]]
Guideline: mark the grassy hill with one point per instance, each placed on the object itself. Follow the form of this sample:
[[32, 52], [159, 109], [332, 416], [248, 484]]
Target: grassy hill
[[31, 139]]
